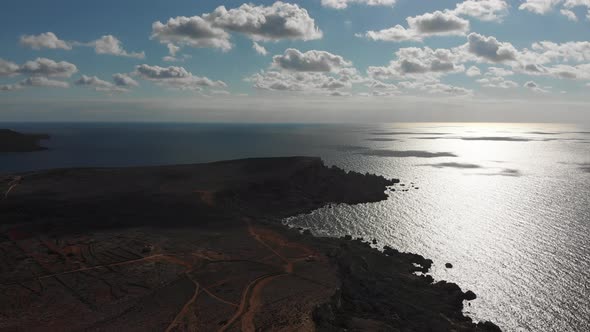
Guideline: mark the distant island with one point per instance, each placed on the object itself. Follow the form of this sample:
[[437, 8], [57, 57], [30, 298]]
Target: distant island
[[12, 141], [201, 248]]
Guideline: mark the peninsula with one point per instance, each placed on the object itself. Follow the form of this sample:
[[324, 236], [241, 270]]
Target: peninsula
[[202, 248], [12, 141]]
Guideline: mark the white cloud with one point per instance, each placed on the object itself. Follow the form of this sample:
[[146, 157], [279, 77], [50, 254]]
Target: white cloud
[[123, 80], [307, 82], [395, 34], [539, 6], [413, 62], [259, 48], [535, 87], [485, 10], [111, 45], [173, 49], [259, 23], [497, 82], [44, 40], [473, 71], [8, 68], [48, 67], [342, 4], [35, 81], [40, 81], [310, 61], [98, 84], [496, 71], [176, 78], [569, 14], [570, 51], [276, 22], [429, 24]]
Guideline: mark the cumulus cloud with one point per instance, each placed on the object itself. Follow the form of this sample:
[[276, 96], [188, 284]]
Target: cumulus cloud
[[416, 62], [547, 51], [539, 6], [40, 81], [394, 34], [429, 24], [111, 45], [35, 81], [569, 14], [259, 48], [176, 78], [485, 10], [543, 7], [496, 71], [535, 87], [278, 21], [191, 31], [342, 4], [123, 80], [315, 72], [98, 84], [44, 40], [473, 71], [8, 68], [438, 23], [308, 82], [259, 23], [490, 49], [310, 61], [47, 67], [497, 82]]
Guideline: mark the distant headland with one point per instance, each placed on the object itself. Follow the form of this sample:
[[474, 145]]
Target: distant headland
[[12, 141], [201, 248]]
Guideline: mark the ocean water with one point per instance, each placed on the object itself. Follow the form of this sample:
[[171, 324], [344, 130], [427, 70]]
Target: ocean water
[[507, 204]]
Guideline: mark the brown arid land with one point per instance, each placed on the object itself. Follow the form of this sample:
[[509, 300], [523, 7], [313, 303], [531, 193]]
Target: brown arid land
[[202, 248]]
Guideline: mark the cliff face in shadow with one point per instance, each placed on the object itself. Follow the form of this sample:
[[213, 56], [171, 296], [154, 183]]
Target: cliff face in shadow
[[201, 247], [12, 141]]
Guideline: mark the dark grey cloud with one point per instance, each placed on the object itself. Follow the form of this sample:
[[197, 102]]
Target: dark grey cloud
[[310, 61], [407, 154], [438, 23], [453, 165], [489, 48], [350, 148], [483, 138], [504, 172], [123, 80], [191, 31], [381, 139], [376, 133]]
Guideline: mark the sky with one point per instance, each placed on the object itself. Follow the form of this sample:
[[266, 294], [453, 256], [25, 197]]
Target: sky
[[299, 61]]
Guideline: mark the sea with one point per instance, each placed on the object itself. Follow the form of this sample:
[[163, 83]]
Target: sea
[[508, 205]]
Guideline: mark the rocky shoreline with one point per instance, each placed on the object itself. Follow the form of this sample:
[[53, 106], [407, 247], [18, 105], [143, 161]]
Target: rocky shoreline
[[201, 247]]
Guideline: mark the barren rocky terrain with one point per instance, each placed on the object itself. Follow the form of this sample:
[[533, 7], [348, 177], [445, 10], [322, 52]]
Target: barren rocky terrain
[[201, 248]]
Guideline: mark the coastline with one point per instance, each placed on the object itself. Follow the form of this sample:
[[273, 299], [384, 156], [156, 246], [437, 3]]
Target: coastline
[[12, 141], [214, 233]]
